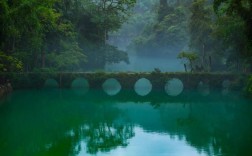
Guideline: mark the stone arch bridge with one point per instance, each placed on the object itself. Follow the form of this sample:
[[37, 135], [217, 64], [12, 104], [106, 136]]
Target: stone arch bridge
[[126, 79]]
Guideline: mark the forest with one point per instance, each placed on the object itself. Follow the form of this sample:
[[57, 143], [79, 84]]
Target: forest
[[126, 77], [81, 35]]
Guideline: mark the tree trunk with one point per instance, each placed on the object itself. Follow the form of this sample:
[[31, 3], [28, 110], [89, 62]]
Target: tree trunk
[[185, 67], [191, 65], [210, 63], [203, 56], [43, 59]]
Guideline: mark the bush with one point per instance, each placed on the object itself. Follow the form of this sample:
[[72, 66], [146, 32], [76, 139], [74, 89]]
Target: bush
[[9, 63]]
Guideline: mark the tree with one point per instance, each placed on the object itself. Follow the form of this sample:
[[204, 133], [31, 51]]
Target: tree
[[9, 63], [44, 33], [238, 35], [231, 43], [200, 29], [110, 14], [69, 58], [99, 18], [191, 57], [167, 35], [242, 8], [25, 24]]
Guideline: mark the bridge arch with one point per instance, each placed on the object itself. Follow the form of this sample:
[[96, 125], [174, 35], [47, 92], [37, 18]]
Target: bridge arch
[[80, 82], [51, 83], [203, 88], [225, 87], [111, 86], [143, 86], [80, 85], [174, 87]]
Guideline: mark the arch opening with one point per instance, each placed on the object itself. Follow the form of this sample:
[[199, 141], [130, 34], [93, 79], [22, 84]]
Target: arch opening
[[225, 87], [203, 88], [80, 85], [143, 87], [174, 87], [111, 86], [51, 83]]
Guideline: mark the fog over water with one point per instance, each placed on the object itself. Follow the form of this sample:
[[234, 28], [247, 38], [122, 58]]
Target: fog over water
[[125, 39], [147, 64]]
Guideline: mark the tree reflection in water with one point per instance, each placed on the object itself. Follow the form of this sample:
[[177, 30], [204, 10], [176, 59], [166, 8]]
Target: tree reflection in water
[[101, 137], [104, 137], [59, 122]]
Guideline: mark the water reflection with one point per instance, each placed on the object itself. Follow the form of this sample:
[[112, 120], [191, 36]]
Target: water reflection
[[225, 87], [58, 122], [203, 88], [80, 86], [105, 137], [151, 146]]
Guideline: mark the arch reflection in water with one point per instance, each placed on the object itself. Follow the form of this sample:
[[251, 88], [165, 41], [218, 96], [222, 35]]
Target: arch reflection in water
[[203, 88], [111, 86], [80, 86], [174, 87], [225, 87], [51, 83], [143, 87]]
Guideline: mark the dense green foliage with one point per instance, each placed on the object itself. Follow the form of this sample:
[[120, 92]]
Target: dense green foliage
[[166, 32], [234, 30], [219, 31], [242, 8], [76, 35], [221, 37], [9, 63], [190, 57], [60, 35]]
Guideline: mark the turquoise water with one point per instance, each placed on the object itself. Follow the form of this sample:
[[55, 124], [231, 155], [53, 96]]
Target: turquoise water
[[53, 122]]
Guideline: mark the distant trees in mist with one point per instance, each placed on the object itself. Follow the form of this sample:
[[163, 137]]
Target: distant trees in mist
[[216, 29]]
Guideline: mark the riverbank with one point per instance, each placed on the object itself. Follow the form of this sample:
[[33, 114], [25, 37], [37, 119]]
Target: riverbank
[[5, 89]]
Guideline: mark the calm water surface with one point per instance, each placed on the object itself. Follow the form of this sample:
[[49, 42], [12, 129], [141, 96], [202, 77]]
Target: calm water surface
[[69, 122]]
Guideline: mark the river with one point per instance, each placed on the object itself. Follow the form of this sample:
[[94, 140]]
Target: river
[[53, 122]]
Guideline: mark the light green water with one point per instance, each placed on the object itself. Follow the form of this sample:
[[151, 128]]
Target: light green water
[[66, 122]]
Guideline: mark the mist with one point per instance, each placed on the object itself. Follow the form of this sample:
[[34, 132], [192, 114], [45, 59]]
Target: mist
[[162, 57], [147, 65]]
